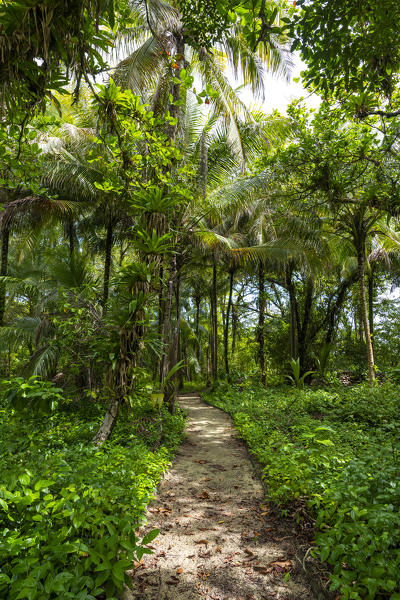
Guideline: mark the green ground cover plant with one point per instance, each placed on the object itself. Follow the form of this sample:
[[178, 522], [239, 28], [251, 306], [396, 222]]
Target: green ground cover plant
[[338, 450], [69, 509]]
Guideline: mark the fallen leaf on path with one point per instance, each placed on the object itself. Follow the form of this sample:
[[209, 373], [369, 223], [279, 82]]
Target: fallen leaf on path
[[281, 566], [206, 542], [179, 571], [263, 570], [204, 494], [201, 461], [218, 549], [248, 551]]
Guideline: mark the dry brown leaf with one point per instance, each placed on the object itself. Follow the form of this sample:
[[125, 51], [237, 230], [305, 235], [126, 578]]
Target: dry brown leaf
[[204, 494], [179, 571], [206, 542], [263, 570], [282, 566], [218, 549], [201, 461], [248, 551]]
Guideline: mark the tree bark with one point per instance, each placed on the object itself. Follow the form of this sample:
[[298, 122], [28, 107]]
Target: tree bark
[[261, 320], [197, 301], [208, 366], [371, 305], [332, 316], [167, 328], [293, 314], [157, 373], [234, 329], [178, 345], [306, 321], [107, 265], [364, 313], [214, 328], [5, 240], [108, 424], [226, 329], [71, 237]]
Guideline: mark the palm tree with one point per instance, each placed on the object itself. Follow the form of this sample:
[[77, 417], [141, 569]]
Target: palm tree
[[360, 225]]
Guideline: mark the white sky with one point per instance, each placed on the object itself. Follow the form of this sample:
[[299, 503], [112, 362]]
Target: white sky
[[279, 93]]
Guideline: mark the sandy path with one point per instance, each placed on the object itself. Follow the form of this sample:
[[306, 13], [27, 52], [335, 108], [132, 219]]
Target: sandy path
[[216, 542]]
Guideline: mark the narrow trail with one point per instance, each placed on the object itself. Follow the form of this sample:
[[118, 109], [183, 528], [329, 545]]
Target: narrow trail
[[216, 541]]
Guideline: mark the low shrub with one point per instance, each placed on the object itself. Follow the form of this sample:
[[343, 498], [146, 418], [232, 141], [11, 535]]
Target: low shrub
[[69, 509], [339, 449]]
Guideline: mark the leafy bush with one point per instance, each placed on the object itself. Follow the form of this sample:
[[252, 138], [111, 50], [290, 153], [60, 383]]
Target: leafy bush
[[68, 509], [339, 450], [32, 394]]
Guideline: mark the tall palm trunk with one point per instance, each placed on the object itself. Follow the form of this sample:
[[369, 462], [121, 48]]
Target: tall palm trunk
[[107, 265], [71, 237], [167, 328], [178, 344], [261, 320], [214, 324], [371, 305], [197, 301], [306, 321], [293, 310], [364, 312], [161, 310], [5, 239], [226, 329], [234, 329]]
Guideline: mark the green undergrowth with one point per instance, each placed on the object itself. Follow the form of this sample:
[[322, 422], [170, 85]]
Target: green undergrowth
[[338, 450], [69, 509]]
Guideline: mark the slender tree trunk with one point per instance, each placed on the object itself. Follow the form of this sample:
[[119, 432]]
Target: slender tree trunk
[[371, 305], [178, 345], [364, 314], [211, 340], [171, 339], [306, 321], [197, 301], [107, 426], [167, 328], [214, 328], [157, 373], [293, 316], [107, 265], [5, 240], [71, 237], [226, 329], [261, 320], [234, 329], [332, 316], [208, 365]]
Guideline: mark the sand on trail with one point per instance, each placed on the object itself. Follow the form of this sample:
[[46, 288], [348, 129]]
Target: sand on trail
[[216, 541]]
